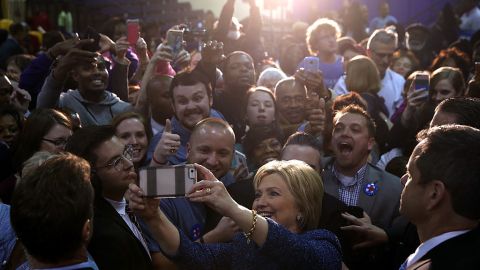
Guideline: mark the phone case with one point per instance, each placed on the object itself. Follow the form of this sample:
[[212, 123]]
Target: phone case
[[133, 31], [167, 182]]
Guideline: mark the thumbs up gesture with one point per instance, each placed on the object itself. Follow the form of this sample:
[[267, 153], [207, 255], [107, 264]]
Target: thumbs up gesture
[[168, 144]]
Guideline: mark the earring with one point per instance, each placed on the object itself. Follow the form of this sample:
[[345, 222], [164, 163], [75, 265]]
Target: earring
[[300, 220]]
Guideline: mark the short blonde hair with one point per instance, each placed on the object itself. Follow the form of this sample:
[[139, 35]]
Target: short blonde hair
[[322, 24], [362, 75], [303, 182]]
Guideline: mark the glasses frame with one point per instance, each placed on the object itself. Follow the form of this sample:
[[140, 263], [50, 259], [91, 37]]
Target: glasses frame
[[127, 155]]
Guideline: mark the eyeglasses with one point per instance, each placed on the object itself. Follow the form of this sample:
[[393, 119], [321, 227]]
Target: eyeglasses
[[61, 142], [117, 163]]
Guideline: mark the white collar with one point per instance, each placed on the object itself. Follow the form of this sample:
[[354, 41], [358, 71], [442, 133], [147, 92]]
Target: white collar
[[118, 205], [431, 243]]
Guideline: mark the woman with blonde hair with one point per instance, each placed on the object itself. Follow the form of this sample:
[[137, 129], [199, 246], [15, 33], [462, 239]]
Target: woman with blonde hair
[[278, 233]]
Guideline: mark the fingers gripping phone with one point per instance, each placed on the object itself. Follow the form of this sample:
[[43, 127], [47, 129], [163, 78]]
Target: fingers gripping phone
[[175, 40], [133, 31], [167, 182], [240, 159]]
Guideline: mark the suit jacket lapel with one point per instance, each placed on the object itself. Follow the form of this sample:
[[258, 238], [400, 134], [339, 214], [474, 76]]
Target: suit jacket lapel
[[330, 184], [110, 212]]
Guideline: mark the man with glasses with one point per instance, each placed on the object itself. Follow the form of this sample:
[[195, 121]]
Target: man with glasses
[[380, 48], [117, 241]]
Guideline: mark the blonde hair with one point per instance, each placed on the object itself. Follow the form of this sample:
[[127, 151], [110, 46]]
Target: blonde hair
[[303, 182], [322, 24], [362, 75]]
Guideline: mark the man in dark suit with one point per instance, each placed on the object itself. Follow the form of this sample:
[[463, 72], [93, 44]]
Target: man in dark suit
[[117, 241], [441, 197], [350, 178]]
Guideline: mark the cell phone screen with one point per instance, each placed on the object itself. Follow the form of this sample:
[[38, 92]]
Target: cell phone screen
[[133, 31], [422, 82], [91, 33], [175, 40], [311, 63]]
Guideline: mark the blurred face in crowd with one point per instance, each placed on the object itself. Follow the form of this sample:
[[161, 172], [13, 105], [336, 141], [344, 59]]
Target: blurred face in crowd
[[381, 54], [9, 129], [113, 168], [91, 77], [191, 103], [304, 153], [212, 147], [327, 41], [443, 90], [260, 109], [384, 9], [291, 102], [402, 66], [6, 90], [131, 132], [159, 98], [55, 139], [119, 30], [351, 142], [239, 71], [415, 39], [267, 150], [13, 72], [274, 200]]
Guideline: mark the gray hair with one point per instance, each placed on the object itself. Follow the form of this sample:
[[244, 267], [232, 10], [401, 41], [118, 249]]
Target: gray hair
[[384, 36]]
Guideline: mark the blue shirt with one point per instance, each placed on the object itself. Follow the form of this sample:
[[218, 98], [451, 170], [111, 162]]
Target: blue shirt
[[7, 235]]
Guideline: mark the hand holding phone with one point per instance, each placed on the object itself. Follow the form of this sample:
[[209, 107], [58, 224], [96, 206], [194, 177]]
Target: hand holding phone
[[167, 182], [91, 33], [421, 82]]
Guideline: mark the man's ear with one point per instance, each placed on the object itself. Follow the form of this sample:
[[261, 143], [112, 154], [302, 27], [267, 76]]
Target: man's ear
[[87, 231], [436, 193], [371, 143], [74, 75]]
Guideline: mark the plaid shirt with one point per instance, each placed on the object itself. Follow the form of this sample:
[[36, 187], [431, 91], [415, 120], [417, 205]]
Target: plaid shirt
[[350, 194]]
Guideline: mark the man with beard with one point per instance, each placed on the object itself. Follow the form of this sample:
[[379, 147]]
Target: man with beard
[[211, 144], [191, 101], [94, 104], [238, 76], [350, 178], [116, 232], [291, 100]]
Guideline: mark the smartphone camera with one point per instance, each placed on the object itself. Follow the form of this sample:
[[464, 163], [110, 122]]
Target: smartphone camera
[[192, 173]]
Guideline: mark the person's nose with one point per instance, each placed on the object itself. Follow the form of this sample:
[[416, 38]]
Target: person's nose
[[261, 108], [212, 160], [403, 179], [260, 203], [132, 140]]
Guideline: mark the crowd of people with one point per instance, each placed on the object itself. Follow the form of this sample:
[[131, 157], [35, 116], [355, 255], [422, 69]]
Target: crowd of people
[[355, 148]]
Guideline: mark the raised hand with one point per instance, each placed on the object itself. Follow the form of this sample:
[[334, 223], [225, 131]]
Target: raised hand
[[121, 48], [316, 117], [213, 52], [212, 192], [368, 234], [168, 144]]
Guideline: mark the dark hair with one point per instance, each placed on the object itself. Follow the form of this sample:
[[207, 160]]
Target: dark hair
[[352, 98], [108, 28], [229, 57], [37, 125], [465, 109], [256, 135], [188, 79], [451, 154], [19, 27], [51, 38], [83, 144], [355, 109], [302, 138], [453, 75], [462, 60], [152, 93], [50, 207]]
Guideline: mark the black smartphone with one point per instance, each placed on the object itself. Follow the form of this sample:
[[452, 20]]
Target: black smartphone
[[355, 211], [91, 33], [167, 181]]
